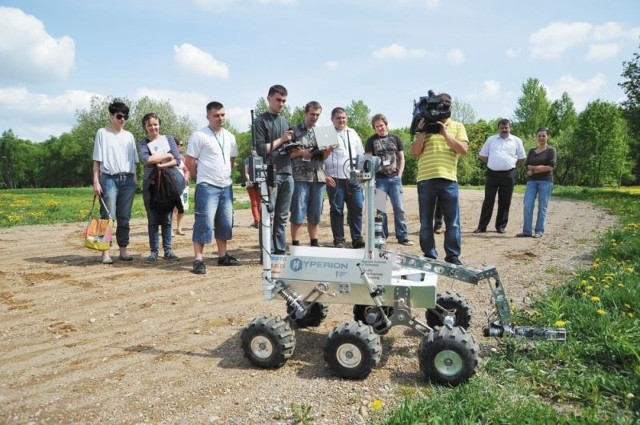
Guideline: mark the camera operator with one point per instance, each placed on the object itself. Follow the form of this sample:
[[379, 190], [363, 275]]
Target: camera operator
[[273, 142], [437, 179]]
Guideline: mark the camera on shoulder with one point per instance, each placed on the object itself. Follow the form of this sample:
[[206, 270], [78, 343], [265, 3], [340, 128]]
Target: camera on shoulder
[[431, 108]]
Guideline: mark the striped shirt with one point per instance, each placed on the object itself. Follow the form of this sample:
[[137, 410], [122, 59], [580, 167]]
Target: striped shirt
[[437, 159]]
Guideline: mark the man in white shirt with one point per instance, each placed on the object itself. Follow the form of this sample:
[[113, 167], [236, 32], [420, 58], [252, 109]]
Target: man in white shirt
[[340, 188], [501, 152], [211, 153]]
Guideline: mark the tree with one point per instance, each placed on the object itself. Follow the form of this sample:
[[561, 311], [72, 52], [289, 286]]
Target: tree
[[631, 106], [532, 111], [463, 112], [358, 118], [600, 146]]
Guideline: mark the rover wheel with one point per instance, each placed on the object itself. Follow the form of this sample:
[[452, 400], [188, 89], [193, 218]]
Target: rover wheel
[[268, 342], [352, 350], [455, 305], [314, 316], [370, 315], [448, 356]]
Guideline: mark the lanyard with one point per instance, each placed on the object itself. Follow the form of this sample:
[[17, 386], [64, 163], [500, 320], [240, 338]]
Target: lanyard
[[224, 160]]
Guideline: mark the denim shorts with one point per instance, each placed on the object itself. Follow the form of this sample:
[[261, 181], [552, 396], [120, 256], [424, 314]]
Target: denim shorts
[[307, 202], [213, 213]]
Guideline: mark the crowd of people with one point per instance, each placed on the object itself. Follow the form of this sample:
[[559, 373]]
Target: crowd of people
[[304, 173]]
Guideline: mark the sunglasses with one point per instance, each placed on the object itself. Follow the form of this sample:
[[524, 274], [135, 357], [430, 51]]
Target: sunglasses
[[122, 116]]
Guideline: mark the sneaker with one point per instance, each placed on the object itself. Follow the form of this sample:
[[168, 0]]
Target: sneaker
[[152, 258], [501, 230], [358, 244], [537, 235], [405, 242], [199, 267], [338, 244], [254, 225], [437, 230], [453, 260], [479, 231], [523, 235], [171, 256], [228, 260]]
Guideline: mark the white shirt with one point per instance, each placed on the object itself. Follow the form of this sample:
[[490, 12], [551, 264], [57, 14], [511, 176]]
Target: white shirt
[[337, 164], [116, 152], [214, 153], [503, 153]]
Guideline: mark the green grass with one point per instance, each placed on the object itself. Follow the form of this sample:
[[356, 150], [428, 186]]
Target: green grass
[[592, 378], [21, 207]]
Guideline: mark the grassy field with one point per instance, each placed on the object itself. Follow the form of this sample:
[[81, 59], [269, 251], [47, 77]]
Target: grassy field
[[593, 378]]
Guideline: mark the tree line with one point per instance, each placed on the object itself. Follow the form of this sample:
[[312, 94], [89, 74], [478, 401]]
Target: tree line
[[599, 146]]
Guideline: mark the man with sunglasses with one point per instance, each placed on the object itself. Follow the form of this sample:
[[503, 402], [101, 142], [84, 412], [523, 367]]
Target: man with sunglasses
[[114, 174]]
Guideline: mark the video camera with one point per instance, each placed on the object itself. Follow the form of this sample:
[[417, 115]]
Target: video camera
[[287, 147], [431, 108]]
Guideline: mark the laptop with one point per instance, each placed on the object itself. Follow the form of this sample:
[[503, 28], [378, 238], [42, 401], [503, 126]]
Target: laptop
[[326, 136]]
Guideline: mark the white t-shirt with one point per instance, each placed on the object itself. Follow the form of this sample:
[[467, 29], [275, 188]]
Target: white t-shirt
[[116, 152], [503, 153], [214, 153], [336, 165]]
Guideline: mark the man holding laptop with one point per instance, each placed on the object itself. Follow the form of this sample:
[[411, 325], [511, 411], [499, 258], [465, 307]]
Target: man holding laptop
[[308, 173]]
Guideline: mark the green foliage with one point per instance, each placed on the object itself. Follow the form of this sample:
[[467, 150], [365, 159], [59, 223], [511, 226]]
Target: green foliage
[[532, 110], [593, 377], [631, 106], [359, 118]]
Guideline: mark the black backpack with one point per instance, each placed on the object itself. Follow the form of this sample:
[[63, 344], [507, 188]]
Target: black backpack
[[166, 186]]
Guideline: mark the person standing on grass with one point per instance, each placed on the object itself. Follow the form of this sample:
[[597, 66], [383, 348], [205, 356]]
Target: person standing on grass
[[114, 175], [162, 159], [211, 153]]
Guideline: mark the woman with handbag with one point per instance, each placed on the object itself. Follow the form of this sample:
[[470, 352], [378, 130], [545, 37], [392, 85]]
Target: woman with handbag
[[157, 152], [114, 175]]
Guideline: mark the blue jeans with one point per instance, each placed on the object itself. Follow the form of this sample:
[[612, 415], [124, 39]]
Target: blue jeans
[[157, 219], [213, 213], [281, 203], [351, 194], [541, 189], [118, 192], [393, 187], [445, 193], [307, 202]]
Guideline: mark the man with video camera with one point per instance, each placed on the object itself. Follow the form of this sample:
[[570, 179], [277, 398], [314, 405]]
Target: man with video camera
[[438, 142]]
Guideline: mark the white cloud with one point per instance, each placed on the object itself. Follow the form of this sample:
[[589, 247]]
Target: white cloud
[[602, 51], [513, 53], [199, 62], [551, 41], [432, 4], [36, 116], [214, 5], [28, 53], [455, 56], [633, 33], [332, 65], [396, 51], [581, 92], [490, 90], [607, 31]]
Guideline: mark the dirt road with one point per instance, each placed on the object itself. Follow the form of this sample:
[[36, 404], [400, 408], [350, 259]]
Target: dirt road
[[81, 342]]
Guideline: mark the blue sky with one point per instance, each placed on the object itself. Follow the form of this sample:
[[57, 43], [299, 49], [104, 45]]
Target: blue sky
[[56, 54]]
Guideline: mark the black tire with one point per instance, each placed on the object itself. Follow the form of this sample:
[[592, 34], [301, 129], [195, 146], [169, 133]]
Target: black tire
[[362, 312], [455, 304], [314, 316], [448, 356], [352, 350], [268, 342]]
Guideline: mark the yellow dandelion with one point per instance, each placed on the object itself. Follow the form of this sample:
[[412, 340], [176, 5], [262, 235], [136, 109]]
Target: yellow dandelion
[[607, 286], [601, 312], [630, 315], [627, 305], [595, 298], [620, 285], [629, 270], [376, 404], [592, 278], [583, 282], [560, 323], [589, 288]]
